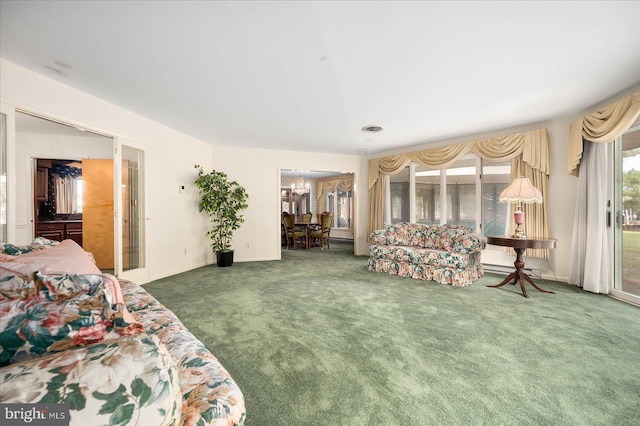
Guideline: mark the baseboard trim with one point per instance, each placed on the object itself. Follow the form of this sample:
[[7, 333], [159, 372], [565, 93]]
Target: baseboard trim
[[625, 297], [506, 269], [178, 271]]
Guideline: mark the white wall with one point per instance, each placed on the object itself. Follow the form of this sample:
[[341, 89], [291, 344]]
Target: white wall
[[258, 170], [174, 224]]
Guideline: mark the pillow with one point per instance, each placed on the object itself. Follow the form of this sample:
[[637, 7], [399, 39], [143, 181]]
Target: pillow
[[66, 257]]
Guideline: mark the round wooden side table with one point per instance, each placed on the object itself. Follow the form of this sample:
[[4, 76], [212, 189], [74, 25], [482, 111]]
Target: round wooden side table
[[520, 245]]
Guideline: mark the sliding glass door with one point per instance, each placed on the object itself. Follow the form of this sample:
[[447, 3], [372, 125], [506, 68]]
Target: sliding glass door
[[130, 218], [3, 178], [7, 173], [627, 216]]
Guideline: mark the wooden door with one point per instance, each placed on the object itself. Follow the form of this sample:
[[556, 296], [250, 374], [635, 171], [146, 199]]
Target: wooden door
[[98, 210]]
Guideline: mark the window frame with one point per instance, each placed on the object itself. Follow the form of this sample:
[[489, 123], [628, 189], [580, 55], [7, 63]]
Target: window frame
[[332, 200], [441, 213]]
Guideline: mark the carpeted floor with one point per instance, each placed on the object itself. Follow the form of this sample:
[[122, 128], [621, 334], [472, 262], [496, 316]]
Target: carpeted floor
[[317, 339]]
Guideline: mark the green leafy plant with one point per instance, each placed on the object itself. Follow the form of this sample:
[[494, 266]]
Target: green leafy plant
[[223, 200]]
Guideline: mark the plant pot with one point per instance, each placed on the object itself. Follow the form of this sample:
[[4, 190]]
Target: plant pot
[[224, 258]]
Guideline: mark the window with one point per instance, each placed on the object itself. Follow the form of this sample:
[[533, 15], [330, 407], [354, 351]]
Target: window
[[461, 192], [340, 203], [79, 194], [467, 193], [495, 215], [400, 196], [427, 196], [344, 209], [293, 203]]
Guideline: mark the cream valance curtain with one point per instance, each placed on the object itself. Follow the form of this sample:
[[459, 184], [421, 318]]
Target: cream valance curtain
[[603, 126], [325, 186], [528, 152]]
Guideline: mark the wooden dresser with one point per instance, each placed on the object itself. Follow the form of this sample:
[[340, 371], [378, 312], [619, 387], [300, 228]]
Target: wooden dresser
[[60, 230]]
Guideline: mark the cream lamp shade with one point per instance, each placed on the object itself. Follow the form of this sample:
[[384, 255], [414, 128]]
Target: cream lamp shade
[[520, 191]]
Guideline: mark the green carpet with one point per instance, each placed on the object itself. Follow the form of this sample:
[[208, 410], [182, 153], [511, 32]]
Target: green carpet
[[317, 339]]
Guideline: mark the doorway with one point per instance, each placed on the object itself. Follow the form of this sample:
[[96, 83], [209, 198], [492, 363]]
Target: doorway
[[58, 188], [317, 191], [627, 217], [55, 175], [97, 162]]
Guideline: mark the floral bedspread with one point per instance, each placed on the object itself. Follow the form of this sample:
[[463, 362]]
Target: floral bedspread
[[65, 339], [107, 349], [448, 254], [210, 395], [129, 381]]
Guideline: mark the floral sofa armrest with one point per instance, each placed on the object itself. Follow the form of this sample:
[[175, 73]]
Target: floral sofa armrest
[[378, 237], [130, 380], [469, 243]]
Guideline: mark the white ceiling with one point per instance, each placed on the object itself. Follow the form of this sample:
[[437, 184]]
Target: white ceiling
[[307, 76]]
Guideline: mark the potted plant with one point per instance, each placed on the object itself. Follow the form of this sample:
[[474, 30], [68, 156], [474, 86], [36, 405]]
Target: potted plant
[[223, 200]]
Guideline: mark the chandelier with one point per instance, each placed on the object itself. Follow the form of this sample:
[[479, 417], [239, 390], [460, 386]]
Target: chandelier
[[300, 187]]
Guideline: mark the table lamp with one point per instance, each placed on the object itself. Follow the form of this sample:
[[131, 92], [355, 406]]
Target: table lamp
[[521, 191]]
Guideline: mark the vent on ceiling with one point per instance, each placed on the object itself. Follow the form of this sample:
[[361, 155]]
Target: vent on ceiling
[[372, 128]]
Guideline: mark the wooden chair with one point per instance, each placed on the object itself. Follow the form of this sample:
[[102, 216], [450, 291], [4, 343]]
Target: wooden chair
[[306, 218], [293, 235], [322, 234], [283, 234]]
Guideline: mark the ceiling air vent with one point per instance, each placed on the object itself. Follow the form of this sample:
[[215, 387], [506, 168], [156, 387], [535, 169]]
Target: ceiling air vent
[[372, 128]]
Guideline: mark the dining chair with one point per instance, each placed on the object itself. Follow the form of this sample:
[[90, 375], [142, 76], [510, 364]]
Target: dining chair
[[293, 235], [283, 232], [306, 218], [322, 234]]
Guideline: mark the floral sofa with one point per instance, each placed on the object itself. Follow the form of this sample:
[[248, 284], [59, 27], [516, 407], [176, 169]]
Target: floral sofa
[[448, 254], [106, 348]]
